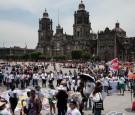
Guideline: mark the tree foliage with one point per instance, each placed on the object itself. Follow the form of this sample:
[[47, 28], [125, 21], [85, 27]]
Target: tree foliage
[[86, 56], [35, 55], [76, 54]]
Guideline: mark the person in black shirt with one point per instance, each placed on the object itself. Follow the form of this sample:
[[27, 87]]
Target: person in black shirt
[[62, 98]]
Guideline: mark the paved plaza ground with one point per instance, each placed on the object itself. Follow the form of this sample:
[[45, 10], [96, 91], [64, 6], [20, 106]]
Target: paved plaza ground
[[114, 102]]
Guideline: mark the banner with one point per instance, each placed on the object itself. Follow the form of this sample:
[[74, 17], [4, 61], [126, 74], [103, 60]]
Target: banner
[[113, 64]]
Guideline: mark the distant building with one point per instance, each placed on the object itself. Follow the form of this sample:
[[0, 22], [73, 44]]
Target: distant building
[[15, 51], [108, 44]]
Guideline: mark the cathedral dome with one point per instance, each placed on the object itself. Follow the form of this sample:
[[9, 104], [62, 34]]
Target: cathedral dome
[[81, 6], [45, 14], [117, 28]]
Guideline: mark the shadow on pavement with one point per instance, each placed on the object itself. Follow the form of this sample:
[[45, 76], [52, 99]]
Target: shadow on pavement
[[129, 110]]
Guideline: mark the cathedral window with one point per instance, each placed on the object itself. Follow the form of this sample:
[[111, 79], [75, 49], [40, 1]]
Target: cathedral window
[[58, 45], [68, 47], [78, 33], [86, 34], [81, 29]]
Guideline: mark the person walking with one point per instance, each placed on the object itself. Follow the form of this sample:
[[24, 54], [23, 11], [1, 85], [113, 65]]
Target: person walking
[[96, 96], [62, 98], [35, 79], [51, 98], [105, 82], [44, 77], [122, 85], [13, 98]]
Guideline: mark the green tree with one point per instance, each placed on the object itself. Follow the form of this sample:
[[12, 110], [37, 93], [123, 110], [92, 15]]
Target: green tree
[[42, 57], [86, 56], [25, 56], [76, 54], [61, 57], [48, 58], [97, 58], [35, 55]]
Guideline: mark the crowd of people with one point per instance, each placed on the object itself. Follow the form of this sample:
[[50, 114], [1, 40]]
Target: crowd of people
[[91, 91]]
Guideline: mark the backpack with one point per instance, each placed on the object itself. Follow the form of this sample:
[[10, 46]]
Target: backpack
[[133, 106]]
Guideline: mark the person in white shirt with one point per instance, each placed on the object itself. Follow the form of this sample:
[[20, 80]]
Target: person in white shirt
[[13, 98], [8, 81], [39, 93], [60, 77], [122, 85], [22, 81], [73, 84], [96, 96], [105, 82], [4, 110], [35, 79], [44, 77], [51, 98], [12, 77], [17, 79], [72, 110]]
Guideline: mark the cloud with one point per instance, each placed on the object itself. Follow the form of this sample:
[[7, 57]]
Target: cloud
[[17, 34], [103, 13]]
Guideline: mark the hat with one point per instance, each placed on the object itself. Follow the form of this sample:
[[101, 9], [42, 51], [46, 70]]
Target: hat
[[63, 82], [61, 88], [2, 103]]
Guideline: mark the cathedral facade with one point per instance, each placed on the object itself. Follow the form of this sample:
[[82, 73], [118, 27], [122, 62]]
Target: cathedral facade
[[107, 44]]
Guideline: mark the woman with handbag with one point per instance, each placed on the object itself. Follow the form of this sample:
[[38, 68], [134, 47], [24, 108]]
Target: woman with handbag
[[96, 97]]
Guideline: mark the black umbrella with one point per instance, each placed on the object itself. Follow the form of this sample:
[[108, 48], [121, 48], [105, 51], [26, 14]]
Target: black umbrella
[[87, 77]]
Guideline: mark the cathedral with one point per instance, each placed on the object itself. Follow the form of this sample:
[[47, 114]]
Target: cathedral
[[107, 44]]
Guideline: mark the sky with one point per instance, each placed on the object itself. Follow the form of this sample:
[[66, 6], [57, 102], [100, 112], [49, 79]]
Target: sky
[[19, 19]]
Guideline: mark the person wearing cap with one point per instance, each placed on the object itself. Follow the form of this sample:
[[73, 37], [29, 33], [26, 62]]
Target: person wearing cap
[[61, 97], [4, 110], [72, 110]]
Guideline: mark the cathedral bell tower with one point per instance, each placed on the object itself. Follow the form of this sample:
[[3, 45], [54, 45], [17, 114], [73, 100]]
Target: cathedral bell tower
[[45, 33], [81, 26]]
